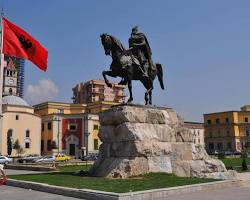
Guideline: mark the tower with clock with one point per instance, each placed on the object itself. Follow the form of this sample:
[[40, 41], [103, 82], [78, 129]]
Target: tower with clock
[[10, 80]]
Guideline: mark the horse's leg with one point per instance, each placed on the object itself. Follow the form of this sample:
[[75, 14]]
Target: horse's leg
[[130, 91], [150, 95], [148, 84], [109, 73], [123, 81], [146, 98]]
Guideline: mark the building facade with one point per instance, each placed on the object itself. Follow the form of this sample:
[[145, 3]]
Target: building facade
[[227, 131], [97, 91], [69, 127], [197, 130], [20, 123], [13, 78]]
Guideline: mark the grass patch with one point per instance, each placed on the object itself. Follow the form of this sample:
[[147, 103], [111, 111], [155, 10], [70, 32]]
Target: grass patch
[[149, 181], [233, 162], [74, 168], [236, 163]]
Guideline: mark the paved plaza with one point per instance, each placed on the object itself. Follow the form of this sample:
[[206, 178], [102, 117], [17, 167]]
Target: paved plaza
[[239, 193], [17, 172], [14, 193]]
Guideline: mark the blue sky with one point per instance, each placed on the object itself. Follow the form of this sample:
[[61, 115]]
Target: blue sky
[[204, 47]]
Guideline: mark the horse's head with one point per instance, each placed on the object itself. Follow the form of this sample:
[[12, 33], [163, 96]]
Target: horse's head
[[106, 43], [110, 43]]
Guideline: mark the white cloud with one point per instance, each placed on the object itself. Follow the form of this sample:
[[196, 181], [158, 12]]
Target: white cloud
[[45, 90]]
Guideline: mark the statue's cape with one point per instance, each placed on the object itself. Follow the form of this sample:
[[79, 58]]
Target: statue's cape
[[146, 49]]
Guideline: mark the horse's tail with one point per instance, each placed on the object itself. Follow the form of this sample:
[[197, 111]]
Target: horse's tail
[[160, 74]]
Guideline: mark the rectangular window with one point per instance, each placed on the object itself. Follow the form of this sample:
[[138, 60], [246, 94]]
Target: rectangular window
[[246, 119], [209, 121], [95, 144], [27, 145], [49, 125], [228, 133], [42, 145], [49, 145], [17, 117], [72, 127], [211, 146], [227, 120], [217, 121], [42, 126], [27, 133], [247, 132], [96, 127], [219, 146]]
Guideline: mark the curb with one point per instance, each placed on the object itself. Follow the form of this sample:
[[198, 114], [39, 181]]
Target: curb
[[88, 194], [31, 168]]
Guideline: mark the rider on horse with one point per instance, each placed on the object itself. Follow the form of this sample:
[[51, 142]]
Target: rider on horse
[[141, 51]]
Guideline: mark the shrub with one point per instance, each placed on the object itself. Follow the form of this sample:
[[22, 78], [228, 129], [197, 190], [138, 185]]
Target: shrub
[[244, 154], [244, 165], [221, 155]]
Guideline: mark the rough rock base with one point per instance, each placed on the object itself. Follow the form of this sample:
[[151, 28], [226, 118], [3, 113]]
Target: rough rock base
[[141, 139]]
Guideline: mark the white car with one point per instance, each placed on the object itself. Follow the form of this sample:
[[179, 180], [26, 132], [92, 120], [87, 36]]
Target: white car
[[5, 160], [46, 159]]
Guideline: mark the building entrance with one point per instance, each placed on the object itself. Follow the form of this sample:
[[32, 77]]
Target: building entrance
[[72, 149]]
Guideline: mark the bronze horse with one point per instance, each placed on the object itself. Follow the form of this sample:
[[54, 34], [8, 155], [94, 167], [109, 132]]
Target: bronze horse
[[126, 67]]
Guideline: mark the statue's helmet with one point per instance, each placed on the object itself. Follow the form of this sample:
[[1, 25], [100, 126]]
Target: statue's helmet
[[135, 29]]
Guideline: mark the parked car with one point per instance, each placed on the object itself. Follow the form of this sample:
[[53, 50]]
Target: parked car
[[90, 157], [5, 160], [46, 159], [237, 153], [29, 159], [62, 157], [228, 153]]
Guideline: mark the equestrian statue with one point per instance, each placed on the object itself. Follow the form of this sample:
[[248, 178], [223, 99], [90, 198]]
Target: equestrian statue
[[134, 63]]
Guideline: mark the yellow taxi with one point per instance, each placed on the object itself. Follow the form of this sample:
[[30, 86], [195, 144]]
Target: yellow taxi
[[62, 157]]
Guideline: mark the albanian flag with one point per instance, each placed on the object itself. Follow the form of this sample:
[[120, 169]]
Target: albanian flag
[[18, 43]]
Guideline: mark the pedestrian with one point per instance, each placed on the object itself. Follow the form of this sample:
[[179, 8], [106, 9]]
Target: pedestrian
[[3, 180]]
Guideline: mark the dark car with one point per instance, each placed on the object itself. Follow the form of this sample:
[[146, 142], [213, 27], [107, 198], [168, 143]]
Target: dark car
[[237, 153], [29, 159], [90, 157]]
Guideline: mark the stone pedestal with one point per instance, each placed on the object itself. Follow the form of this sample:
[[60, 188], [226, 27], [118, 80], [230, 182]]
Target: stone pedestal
[[141, 139]]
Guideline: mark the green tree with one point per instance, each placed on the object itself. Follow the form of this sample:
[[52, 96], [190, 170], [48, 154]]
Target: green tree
[[9, 145], [18, 147]]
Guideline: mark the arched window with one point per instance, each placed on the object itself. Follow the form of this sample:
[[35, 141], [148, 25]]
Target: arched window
[[27, 133], [10, 91], [27, 142]]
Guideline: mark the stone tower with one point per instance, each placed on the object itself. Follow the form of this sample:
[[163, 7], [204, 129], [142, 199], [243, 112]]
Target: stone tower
[[13, 77]]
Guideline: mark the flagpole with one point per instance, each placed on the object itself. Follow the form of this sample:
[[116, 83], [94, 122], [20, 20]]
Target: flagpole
[[1, 82]]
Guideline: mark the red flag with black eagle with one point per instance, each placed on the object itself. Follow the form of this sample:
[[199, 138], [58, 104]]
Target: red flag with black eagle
[[18, 43]]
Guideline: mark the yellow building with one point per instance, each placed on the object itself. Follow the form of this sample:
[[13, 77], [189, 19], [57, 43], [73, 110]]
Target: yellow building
[[68, 128], [71, 127], [20, 123], [227, 131]]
